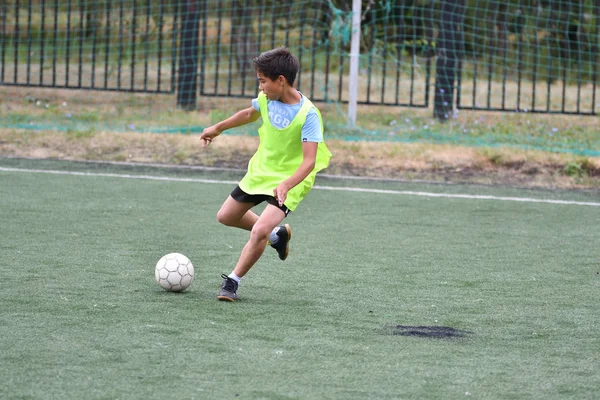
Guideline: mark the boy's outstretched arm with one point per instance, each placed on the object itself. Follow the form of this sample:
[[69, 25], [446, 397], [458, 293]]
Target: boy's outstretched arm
[[309, 157], [242, 117]]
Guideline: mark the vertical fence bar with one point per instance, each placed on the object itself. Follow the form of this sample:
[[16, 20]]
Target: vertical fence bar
[[385, 55], [413, 55], [203, 49], [241, 61], [287, 30], [29, 33], [3, 40], [520, 28], [370, 58], [133, 44], [461, 54], [579, 55], [596, 50], [259, 19], [315, 40], [81, 38], [147, 44], [302, 23], [565, 58], [246, 21], [341, 76], [55, 42], [16, 41], [429, 58], [273, 23], [536, 57], [492, 49], [231, 41], [94, 40], [218, 57], [504, 56], [42, 41], [475, 64], [327, 64], [175, 35], [427, 80], [161, 21], [120, 56], [399, 48], [68, 44], [107, 9], [549, 67]]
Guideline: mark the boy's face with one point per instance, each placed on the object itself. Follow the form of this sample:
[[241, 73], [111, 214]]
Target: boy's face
[[273, 89]]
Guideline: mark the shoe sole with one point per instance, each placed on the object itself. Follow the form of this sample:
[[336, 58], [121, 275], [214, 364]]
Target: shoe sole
[[287, 246], [289, 231], [225, 298]]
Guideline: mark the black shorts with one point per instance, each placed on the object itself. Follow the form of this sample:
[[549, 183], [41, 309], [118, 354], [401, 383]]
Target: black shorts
[[243, 197]]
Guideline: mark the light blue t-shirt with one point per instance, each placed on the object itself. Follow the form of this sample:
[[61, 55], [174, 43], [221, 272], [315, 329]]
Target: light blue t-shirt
[[281, 115]]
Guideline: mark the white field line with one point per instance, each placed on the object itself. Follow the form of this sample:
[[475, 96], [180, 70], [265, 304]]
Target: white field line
[[124, 176], [239, 170], [461, 196], [318, 187]]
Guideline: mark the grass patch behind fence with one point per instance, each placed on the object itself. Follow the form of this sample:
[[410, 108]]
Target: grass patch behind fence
[[65, 110]]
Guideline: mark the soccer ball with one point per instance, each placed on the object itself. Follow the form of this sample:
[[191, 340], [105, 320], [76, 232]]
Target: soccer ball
[[174, 272]]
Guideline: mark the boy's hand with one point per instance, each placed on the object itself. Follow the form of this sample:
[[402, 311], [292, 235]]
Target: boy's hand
[[208, 134], [280, 193]]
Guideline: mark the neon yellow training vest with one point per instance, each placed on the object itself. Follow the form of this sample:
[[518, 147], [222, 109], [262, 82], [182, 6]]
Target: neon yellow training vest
[[279, 155]]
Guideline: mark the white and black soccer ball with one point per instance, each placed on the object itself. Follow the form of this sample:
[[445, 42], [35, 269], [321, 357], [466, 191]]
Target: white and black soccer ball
[[174, 272]]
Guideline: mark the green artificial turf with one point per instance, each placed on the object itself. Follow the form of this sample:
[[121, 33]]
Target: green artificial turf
[[82, 317]]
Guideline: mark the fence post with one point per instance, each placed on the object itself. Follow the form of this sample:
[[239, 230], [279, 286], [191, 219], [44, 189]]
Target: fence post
[[448, 52], [354, 60], [187, 86]]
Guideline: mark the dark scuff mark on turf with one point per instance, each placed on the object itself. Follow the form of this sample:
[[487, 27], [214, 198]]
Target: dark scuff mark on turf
[[435, 332]]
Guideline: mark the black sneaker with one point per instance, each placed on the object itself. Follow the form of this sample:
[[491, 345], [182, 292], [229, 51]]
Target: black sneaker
[[228, 290], [283, 244]]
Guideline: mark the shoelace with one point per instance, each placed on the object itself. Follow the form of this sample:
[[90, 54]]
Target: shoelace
[[282, 242], [229, 283]]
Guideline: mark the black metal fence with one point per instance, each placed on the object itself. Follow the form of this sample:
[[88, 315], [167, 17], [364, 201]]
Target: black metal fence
[[526, 56], [231, 34], [536, 57], [110, 45]]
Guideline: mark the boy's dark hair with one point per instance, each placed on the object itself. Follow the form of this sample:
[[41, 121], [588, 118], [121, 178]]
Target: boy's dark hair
[[277, 62]]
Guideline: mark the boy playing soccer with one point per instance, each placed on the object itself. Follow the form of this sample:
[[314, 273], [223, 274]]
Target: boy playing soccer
[[283, 169]]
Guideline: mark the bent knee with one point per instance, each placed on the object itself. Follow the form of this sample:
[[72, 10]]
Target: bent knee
[[260, 232], [225, 218]]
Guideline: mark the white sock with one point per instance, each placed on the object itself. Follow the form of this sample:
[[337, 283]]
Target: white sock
[[273, 238], [235, 277]]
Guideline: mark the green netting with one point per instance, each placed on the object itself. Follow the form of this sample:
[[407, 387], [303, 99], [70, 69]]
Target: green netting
[[526, 56]]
